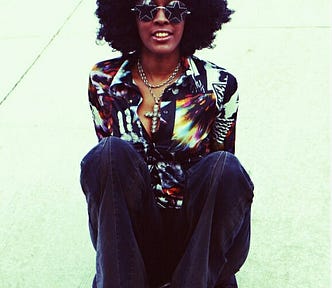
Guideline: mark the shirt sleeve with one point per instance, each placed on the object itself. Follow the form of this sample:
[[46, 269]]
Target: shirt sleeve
[[100, 103], [223, 132]]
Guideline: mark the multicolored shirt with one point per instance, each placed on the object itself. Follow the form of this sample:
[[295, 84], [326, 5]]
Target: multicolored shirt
[[198, 116]]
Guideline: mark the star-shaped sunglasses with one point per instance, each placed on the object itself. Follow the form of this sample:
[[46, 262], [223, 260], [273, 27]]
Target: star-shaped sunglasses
[[175, 11]]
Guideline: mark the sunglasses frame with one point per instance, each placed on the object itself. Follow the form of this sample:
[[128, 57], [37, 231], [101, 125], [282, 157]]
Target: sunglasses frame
[[175, 11]]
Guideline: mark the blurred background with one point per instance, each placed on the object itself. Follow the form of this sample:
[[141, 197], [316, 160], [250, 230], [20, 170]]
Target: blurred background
[[280, 54]]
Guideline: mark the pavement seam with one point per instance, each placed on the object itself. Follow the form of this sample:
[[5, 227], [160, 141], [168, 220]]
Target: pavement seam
[[55, 35]]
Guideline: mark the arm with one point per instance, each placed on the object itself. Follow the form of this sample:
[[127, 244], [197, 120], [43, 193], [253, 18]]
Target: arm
[[223, 132], [100, 103]]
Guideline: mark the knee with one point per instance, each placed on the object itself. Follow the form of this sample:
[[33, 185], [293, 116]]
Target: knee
[[114, 143], [235, 170], [94, 164], [118, 151], [107, 147], [91, 171], [221, 161], [113, 146], [234, 179]]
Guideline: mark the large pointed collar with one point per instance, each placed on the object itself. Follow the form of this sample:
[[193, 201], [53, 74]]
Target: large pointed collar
[[195, 78]]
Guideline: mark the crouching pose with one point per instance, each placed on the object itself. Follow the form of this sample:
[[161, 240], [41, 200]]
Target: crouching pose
[[168, 202]]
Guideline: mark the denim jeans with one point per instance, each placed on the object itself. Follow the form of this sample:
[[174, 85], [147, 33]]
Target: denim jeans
[[140, 245]]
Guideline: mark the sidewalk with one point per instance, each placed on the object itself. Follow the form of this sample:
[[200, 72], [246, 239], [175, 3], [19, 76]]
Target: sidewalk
[[281, 57]]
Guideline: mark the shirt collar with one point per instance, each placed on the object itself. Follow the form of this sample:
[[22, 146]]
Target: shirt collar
[[123, 76], [193, 75]]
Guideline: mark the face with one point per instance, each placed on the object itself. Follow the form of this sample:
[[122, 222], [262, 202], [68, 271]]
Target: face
[[160, 25]]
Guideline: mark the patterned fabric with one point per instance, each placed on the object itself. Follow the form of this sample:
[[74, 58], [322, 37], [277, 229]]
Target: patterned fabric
[[198, 115]]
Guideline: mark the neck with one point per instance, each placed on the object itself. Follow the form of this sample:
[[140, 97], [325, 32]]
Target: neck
[[157, 68]]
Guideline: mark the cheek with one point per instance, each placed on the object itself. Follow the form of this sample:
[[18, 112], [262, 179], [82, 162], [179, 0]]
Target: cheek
[[140, 27], [179, 31]]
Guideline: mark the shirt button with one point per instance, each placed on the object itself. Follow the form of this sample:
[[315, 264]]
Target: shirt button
[[165, 111]]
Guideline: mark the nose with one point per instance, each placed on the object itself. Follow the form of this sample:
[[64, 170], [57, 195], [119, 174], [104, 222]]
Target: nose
[[160, 17]]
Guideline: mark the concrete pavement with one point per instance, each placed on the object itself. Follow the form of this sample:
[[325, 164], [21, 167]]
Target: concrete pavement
[[281, 57]]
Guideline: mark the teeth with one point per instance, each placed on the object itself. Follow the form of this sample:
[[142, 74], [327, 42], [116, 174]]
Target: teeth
[[161, 34]]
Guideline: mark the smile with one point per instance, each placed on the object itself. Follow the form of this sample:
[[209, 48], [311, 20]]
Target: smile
[[161, 34]]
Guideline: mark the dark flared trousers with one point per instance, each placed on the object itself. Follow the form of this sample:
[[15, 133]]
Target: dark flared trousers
[[140, 245]]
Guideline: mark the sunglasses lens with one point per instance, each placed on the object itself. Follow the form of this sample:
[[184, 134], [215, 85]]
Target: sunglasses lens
[[175, 11], [144, 12], [173, 15]]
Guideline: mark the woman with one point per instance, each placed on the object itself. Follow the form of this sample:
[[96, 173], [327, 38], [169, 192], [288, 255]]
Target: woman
[[168, 201]]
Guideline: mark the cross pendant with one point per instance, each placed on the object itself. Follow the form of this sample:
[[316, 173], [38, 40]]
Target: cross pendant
[[155, 116]]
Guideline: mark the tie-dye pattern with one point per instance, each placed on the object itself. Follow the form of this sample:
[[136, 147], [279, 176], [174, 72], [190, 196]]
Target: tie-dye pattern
[[193, 119], [198, 114]]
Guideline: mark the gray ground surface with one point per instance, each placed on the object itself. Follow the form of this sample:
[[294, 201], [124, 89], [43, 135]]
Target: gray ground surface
[[280, 54]]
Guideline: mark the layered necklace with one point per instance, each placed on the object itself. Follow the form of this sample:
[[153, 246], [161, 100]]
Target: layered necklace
[[155, 113]]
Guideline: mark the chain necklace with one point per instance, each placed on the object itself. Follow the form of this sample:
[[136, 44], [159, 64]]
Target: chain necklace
[[155, 114], [146, 81]]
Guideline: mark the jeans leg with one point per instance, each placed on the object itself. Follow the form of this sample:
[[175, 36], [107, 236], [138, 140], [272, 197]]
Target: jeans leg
[[123, 218], [237, 254], [218, 197]]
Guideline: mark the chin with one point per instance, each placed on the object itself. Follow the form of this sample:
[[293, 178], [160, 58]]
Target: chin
[[164, 51]]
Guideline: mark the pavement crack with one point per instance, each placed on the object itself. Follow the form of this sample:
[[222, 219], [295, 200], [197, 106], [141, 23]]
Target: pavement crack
[[55, 35]]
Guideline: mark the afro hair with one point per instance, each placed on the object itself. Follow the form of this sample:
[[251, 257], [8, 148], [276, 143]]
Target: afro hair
[[118, 24]]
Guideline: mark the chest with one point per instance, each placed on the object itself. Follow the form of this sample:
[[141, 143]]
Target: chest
[[185, 118]]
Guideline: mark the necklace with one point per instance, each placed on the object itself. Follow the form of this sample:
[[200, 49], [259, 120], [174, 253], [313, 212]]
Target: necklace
[[146, 81], [155, 113]]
